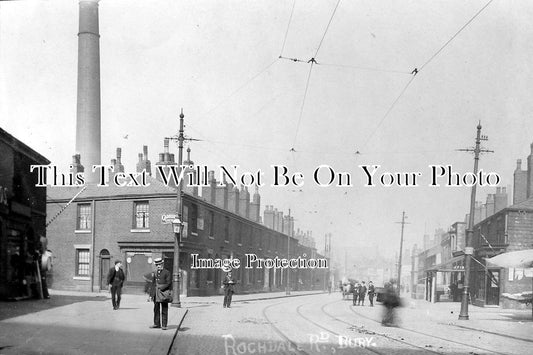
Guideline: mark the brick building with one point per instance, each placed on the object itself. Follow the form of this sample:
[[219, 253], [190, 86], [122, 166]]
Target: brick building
[[110, 223], [22, 216]]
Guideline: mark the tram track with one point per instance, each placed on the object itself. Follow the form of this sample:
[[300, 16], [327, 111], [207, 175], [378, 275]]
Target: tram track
[[428, 335], [279, 332], [376, 333], [331, 331]]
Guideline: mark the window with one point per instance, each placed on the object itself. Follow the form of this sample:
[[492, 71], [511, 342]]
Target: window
[[239, 233], [226, 229], [211, 224], [142, 220], [194, 218], [82, 262], [84, 216]]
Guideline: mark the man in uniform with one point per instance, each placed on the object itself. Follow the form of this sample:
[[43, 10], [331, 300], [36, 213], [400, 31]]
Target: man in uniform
[[115, 280], [162, 281], [228, 289]]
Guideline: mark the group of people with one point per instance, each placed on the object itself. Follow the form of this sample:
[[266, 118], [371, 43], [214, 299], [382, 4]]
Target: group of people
[[159, 282], [359, 291]]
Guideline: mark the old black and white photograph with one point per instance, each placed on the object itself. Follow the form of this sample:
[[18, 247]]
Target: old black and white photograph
[[266, 177]]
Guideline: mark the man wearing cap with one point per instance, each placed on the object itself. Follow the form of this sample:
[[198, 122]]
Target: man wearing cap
[[115, 280], [228, 289], [162, 281]]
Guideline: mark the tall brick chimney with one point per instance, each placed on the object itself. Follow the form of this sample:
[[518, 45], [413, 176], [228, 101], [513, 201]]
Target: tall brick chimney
[[88, 125]]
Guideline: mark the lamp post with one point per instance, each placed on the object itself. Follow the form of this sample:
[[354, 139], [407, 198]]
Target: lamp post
[[177, 224], [177, 227]]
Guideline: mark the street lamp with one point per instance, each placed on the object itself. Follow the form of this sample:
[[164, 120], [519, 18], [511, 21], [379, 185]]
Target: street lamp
[[177, 227]]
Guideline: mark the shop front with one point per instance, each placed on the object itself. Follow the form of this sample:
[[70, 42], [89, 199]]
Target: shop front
[[444, 282]]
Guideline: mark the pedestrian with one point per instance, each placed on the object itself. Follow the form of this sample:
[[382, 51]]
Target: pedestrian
[[115, 280], [371, 293], [148, 283], [355, 290], [161, 291], [390, 301], [45, 263], [228, 289], [362, 294]]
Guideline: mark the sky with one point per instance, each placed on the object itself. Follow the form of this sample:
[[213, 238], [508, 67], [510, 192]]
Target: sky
[[359, 104]]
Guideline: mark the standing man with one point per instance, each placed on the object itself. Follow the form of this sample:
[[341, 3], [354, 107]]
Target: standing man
[[228, 289], [371, 292], [162, 282], [362, 294], [115, 280], [355, 290]]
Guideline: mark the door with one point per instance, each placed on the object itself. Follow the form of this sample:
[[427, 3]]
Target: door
[[493, 287], [105, 261]]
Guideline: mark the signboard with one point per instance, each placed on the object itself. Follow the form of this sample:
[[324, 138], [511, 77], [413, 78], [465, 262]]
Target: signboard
[[168, 218]]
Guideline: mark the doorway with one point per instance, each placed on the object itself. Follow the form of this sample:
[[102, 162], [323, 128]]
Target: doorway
[[105, 265], [493, 288]]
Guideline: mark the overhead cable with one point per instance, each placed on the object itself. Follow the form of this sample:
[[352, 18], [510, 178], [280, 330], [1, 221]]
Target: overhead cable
[[287, 32], [303, 104], [455, 35], [389, 110], [240, 88], [327, 27]]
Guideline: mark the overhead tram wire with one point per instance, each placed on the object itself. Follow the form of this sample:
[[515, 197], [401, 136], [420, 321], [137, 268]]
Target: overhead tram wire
[[327, 27], [302, 106], [312, 61], [203, 116], [456, 34], [389, 110], [365, 68], [417, 70], [287, 31]]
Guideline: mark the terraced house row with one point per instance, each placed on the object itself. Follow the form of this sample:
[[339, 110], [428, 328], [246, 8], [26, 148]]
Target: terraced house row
[[103, 224]]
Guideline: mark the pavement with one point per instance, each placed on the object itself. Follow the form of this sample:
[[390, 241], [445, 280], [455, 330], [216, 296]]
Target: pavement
[[85, 323]]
